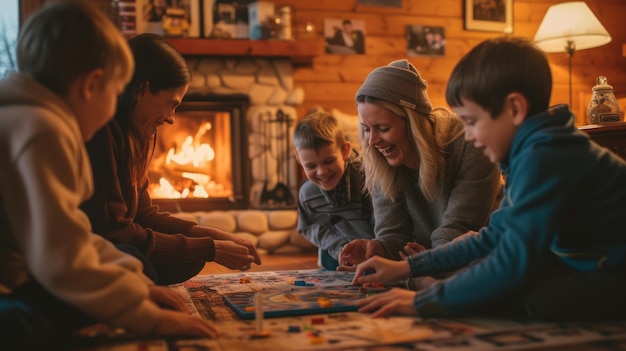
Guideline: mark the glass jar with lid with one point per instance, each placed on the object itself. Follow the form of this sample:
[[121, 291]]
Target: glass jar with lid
[[603, 107]]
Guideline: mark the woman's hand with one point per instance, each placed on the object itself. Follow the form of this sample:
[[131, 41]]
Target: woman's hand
[[175, 323], [358, 251], [411, 248], [232, 255], [166, 297], [249, 244], [394, 301], [218, 234], [381, 270]]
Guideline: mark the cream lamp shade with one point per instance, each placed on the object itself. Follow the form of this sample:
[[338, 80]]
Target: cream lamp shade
[[570, 21], [568, 27]]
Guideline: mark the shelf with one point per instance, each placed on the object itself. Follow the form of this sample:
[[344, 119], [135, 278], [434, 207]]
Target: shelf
[[298, 51]]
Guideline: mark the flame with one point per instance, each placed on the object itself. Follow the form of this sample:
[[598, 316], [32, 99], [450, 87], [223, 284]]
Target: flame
[[192, 155]]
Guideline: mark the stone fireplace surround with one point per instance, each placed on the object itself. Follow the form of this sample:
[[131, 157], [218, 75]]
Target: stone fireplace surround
[[268, 83]]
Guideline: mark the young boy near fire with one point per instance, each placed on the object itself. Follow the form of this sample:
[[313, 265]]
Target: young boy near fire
[[332, 209], [556, 247], [57, 276]]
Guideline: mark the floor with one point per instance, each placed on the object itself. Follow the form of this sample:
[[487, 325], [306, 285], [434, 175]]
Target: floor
[[271, 262]]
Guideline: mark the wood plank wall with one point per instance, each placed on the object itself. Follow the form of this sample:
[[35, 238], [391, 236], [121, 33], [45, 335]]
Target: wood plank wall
[[332, 80]]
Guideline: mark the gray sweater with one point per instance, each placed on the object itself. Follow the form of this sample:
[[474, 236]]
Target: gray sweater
[[471, 190], [330, 223]]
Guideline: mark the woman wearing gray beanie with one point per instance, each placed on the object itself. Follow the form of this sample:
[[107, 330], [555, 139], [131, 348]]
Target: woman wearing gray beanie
[[428, 185]]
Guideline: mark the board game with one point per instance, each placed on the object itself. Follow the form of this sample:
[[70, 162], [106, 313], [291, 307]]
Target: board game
[[348, 330], [299, 301]]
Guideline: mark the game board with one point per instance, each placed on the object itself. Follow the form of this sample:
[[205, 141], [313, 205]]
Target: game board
[[354, 330], [299, 300]]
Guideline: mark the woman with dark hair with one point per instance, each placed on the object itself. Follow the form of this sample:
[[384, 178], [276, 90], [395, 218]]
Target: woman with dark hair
[[121, 209]]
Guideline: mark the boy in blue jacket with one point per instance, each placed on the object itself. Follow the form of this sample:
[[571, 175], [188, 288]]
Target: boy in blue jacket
[[556, 247]]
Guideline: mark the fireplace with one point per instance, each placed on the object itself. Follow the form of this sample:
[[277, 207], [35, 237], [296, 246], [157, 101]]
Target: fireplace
[[200, 162], [254, 100]]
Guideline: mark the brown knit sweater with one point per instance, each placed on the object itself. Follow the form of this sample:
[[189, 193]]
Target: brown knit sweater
[[123, 213]]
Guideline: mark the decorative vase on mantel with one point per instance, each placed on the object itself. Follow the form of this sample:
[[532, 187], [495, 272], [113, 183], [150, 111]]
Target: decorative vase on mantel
[[603, 107]]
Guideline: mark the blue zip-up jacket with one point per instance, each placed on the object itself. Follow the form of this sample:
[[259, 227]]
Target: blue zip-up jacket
[[564, 196]]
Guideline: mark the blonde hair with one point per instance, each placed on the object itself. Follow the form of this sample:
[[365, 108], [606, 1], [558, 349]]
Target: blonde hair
[[428, 134], [316, 130], [68, 38]]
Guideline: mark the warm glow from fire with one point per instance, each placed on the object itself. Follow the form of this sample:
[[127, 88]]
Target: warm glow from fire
[[192, 152], [188, 162]]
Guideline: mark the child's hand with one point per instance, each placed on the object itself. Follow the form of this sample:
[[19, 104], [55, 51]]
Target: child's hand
[[394, 301], [174, 323], [358, 251], [379, 269], [166, 297]]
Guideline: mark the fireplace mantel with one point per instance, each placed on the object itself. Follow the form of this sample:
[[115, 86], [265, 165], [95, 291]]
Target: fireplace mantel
[[300, 51]]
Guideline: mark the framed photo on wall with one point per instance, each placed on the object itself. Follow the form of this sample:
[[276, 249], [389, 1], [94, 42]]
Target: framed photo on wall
[[425, 40], [344, 36], [489, 15], [154, 15]]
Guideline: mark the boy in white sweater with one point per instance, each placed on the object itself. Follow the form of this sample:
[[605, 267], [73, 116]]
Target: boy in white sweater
[[56, 276]]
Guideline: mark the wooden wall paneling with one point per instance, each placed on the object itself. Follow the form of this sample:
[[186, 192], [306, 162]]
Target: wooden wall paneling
[[385, 40], [332, 80]]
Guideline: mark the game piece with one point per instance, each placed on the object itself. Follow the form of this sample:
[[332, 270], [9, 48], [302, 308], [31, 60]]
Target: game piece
[[259, 332], [377, 285], [324, 302], [294, 329], [316, 340], [317, 320]]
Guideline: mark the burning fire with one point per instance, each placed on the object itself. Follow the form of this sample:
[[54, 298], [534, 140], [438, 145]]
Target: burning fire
[[188, 163]]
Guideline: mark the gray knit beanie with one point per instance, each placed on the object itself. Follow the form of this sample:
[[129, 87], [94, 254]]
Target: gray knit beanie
[[398, 83]]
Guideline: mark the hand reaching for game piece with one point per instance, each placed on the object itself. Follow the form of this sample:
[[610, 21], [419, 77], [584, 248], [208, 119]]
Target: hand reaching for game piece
[[358, 251], [217, 234], [178, 321], [411, 248], [379, 269], [166, 297], [394, 301], [232, 255]]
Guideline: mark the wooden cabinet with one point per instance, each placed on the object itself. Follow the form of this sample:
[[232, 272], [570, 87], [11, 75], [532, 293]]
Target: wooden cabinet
[[611, 136], [298, 51]]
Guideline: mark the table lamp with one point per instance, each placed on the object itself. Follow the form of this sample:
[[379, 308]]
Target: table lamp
[[568, 27]]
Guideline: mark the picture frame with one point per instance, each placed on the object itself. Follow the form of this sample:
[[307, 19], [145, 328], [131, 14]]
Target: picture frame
[[425, 40], [382, 3], [344, 36], [489, 15], [151, 16]]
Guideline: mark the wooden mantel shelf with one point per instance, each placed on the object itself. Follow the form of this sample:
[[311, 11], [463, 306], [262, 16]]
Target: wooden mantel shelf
[[298, 51]]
